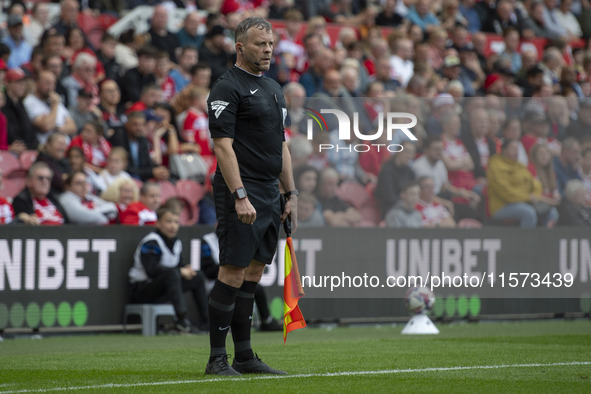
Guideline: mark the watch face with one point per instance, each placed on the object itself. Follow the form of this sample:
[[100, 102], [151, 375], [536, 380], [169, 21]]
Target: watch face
[[240, 193]]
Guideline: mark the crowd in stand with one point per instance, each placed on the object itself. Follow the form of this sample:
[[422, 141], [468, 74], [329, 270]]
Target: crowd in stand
[[502, 137]]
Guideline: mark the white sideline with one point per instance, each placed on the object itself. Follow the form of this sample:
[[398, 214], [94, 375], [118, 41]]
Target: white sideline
[[304, 375]]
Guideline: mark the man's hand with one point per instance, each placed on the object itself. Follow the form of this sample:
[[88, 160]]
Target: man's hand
[[54, 98], [246, 212], [291, 209], [161, 173], [187, 272]]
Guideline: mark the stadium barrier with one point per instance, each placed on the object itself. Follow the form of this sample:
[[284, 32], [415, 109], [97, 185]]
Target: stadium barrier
[[76, 276]]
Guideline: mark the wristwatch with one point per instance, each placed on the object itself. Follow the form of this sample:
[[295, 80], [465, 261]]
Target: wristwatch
[[239, 193], [294, 192]]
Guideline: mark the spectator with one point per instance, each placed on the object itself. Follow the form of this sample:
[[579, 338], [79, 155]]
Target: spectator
[[511, 130], [200, 78], [512, 190], [20, 49], [95, 146], [37, 204], [536, 129], [182, 75], [383, 72], [301, 150], [163, 79], [75, 45], [21, 135], [420, 15], [84, 208], [160, 37], [542, 169], [581, 127], [55, 64], [567, 163], [53, 42], [295, 96], [478, 144], [106, 56], [69, 10], [540, 24], [196, 126], [336, 213], [442, 104], [394, 173], [309, 215], [116, 165], [136, 78], [78, 163], [125, 50], [433, 213], [134, 140], [143, 212], [565, 18], [511, 52], [150, 96], [6, 209], [503, 17], [112, 117], [39, 22], [47, 113], [289, 36], [216, 52], [158, 273], [53, 154], [313, 79], [188, 35], [401, 64], [388, 15], [469, 12], [572, 209], [405, 214], [122, 192]]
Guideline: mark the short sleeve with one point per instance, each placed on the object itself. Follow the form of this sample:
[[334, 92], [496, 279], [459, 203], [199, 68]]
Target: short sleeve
[[222, 105]]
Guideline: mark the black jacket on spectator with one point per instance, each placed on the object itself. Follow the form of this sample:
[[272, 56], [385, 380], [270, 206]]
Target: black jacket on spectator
[[143, 168], [169, 43], [132, 83], [571, 215], [390, 181], [59, 168], [24, 203], [217, 61], [468, 140], [112, 68], [19, 124], [578, 129]]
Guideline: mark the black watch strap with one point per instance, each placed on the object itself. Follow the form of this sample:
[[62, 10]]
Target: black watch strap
[[294, 192], [239, 193]]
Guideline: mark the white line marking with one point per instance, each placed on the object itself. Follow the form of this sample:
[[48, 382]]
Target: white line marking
[[297, 376]]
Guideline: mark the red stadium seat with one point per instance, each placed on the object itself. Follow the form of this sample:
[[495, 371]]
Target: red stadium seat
[[27, 158], [13, 184], [167, 190], [191, 192], [8, 162]]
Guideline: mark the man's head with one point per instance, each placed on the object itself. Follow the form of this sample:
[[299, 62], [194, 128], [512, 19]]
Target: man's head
[[427, 188], [403, 48], [107, 46], [410, 194], [511, 38], [510, 149], [146, 58], [56, 145], [168, 220], [328, 183], [53, 42], [201, 75], [350, 78], [160, 19], [84, 67], [191, 23], [574, 192], [16, 83], [39, 180], [45, 84], [306, 206], [322, 60], [76, 183], [136, 125], [151, 94], [383, 69], [254, 44], [406, 155], [150, 195], [109, 92], [433, 149], [14, 24], [571, 152], [69, 11], [53, 63], [188, 58], [332, 82], [479, 123], [295, 95]]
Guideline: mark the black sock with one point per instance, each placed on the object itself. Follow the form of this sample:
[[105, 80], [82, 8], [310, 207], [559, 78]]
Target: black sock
[[221, 309], [261, 301], [242, 320]]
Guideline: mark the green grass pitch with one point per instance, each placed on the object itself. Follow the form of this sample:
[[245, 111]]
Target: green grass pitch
[[490, 357]]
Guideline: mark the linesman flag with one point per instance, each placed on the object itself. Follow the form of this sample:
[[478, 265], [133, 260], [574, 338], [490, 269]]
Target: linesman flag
[[292, 287]]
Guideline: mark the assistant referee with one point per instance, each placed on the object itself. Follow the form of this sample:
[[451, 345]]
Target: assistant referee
[[246, 117]]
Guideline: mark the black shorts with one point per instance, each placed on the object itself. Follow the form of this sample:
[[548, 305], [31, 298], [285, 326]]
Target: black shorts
[[241, 243]]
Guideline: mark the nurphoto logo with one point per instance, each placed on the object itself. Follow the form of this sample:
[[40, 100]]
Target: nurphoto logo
[[390, 120]]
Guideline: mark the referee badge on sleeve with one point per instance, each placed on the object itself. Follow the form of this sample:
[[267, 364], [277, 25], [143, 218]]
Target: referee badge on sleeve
[[219, 106], [284, 111]]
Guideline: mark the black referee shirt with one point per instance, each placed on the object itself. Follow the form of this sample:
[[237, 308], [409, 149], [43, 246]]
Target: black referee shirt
[[251, 110]]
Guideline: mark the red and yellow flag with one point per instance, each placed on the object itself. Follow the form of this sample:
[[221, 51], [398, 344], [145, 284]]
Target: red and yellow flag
[[292, 292]]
